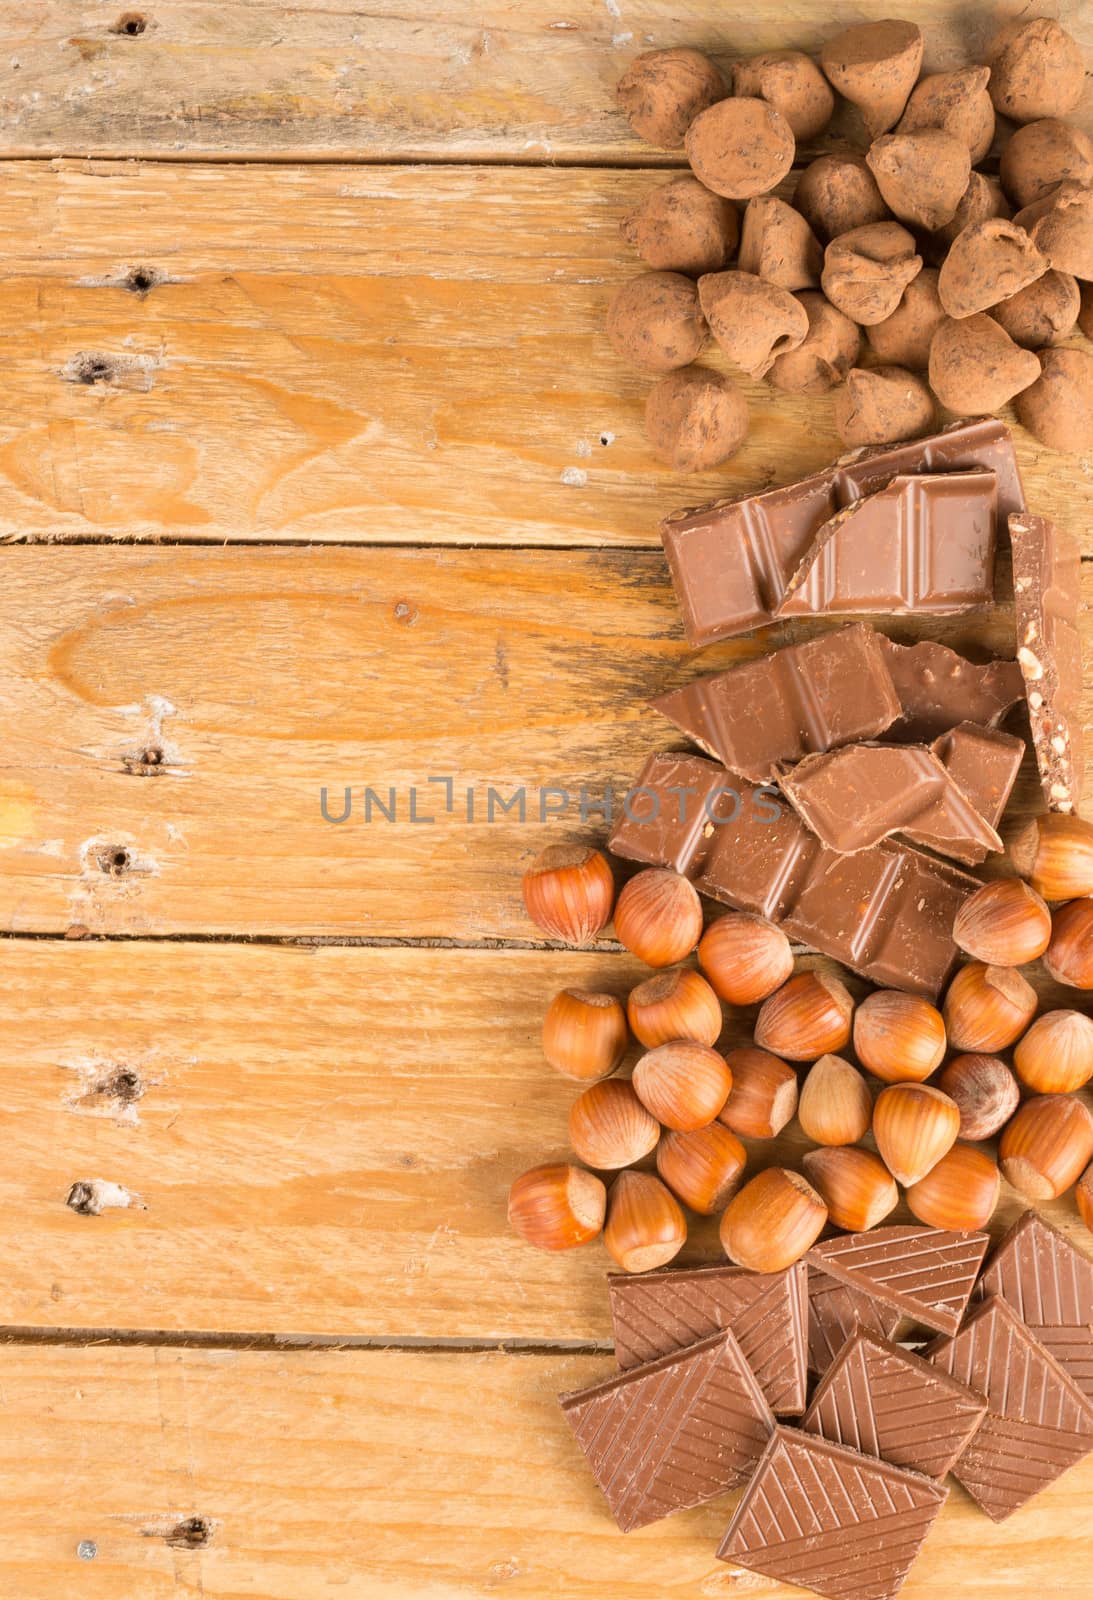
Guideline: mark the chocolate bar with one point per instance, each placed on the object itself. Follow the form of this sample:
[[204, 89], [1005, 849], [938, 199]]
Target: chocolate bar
[[985, 763], [732, 560], [1038, 1422], [1049, 1283], [831, 1519], [885, 1401], [1047, 594], [886, 912], [938, 689], [654, 1313], [672, 1433], [926, 1273], [925, 542], [835, 1311], [806, 697]]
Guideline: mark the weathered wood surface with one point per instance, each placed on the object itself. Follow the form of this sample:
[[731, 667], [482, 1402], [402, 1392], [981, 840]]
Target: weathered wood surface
[[326, 353], [171, 717], [519, 80], [384, 1474], [316, 1142]]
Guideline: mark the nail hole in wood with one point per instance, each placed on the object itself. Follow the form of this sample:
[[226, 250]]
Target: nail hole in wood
[[130, 25], [148, 763], [124, 1085], [92, 369], [193, 1533], [81, 1199], [138, 280], [115, 862]]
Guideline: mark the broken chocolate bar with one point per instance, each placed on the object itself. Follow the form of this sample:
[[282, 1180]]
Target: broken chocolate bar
[[1049, 1283], [939, 689], [927, 1273], [731, 561], [672, 1433], [831, 1519], [887, 912], [1047, 595], [657, 1312], [835, 1311], [924, 542], [806, 697], [985, 763], [1038, 1421], [885, 1401]]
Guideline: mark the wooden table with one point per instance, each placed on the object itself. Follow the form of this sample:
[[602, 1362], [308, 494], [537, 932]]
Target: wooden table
[[316, 470]]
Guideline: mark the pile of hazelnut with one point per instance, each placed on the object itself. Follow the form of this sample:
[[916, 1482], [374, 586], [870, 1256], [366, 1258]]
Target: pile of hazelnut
[[686, 1106], [964, 284]]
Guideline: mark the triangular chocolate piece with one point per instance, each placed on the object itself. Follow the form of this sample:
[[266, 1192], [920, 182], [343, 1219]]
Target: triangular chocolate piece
[[880, 1399], [1049, 1283], [927, 1273], [835, 1311], [673, 1433], [657, 1312], [830, 1519], [1038, 1423]]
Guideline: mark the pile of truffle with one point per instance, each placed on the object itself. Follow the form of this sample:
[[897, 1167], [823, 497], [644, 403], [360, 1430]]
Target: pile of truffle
[[965, 285]]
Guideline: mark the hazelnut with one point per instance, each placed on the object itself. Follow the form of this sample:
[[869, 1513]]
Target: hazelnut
[[855, 1185], [835, 1106], [987, 1008], [555, 1207], [1054, 852], [982, 198], [744, 957], [985, 1092], [899, 1037], [976, 368], [1036, 70], [806, 1018], [988, 262], [703, 1168], [655, 323], [584, 1034], [1058, 408], [1069, 956], [777, 245], [662, 91], [684, 1084], [838, 193], [914, 1126], [830, 348], [645, 1227], [568, 893], [959, 1193], [1040, 156], [753, 322], [866, 270], [959, 103], [1005, 924], [1056, 1054], [772, 1221], [903, 339], [793, 84], [763, 1096], [739, 148], [682, 227], [922, 175], [1061, 226], [658, 917], [875, 65], [881, 405], [609, 1127], [674, 1005], [1084, 1196], [1042, 314], [1046, 1146], [695, 419]]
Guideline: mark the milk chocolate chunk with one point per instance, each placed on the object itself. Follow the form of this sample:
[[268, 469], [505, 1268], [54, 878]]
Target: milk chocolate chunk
[[1038, 1422], [830, 1519], [805, 697], [656, 1313], [1049, 1283], [1047, 594], [886, 912], [672, 1433], [731, 561], [922, 543], [882, 1400], [835, 1311], [926, 1273], [938, 689], [985, 763]]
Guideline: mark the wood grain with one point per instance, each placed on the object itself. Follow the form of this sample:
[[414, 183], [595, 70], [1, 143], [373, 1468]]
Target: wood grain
[[172, 716], [382, 1474], [317, 1142], [520, 80], [327, 354]]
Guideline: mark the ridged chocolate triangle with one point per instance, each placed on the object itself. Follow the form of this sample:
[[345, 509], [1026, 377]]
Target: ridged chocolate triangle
[[926, 1273], [658, 1312], [1049, 1283], [673, 1433], [880, 1399], [1038, 1423], [831, 1519], [835, 1311]]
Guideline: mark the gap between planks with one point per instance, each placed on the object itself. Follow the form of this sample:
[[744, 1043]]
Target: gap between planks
[[182, 1339]]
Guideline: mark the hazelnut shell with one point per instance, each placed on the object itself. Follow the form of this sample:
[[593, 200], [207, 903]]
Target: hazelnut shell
[[740, 148], [655, 323], [866, 270], [777, 245], [1058, 408], [753, 322], [976, 368], [903, 339], [793, 84], [875, 65], [662, 91], [830, 348], [681, 226], [695, 419], [837, 193], [1036, 70], [881, 405], [959, 103], [922, 175], [990, 261]]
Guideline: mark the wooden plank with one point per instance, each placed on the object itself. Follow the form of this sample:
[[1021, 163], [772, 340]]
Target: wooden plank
[[171, 718], [323, 1145], [524, 80], [382, 1474], [325, 354]]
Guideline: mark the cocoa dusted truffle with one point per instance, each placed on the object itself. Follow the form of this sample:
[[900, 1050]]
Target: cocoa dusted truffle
[[982, 198], [1058, 408], [837, 193], [904, 338], [1042, 155], [695, 419], [753, 322], [655, 322], [1061, 226], [988, 262], [1085, 315], [793, 84], [663, 91], [881, 405], [922, 175], [683, 227], [959, 103], [875, 65], [1036, 70], [866, 270], [777, 244], [740, 148], [830, 348], [975, 367], [1042, 314]]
